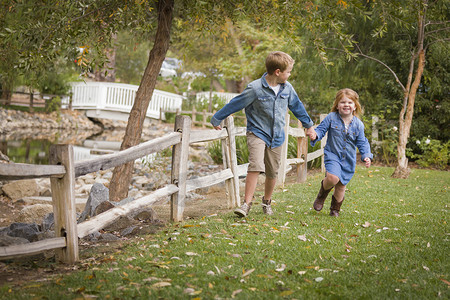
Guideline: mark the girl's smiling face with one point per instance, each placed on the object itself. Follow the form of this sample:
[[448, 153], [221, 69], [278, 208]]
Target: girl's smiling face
[[346, 107]]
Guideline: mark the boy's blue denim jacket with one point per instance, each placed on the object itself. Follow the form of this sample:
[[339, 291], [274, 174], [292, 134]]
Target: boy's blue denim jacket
[[265, 111]]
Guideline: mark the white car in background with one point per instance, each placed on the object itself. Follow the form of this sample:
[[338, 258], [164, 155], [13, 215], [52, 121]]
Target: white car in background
[[169, 67]]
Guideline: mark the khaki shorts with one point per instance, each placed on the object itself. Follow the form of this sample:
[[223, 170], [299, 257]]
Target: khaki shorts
[[262, 158]]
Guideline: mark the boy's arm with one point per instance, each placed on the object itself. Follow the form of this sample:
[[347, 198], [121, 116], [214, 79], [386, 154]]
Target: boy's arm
[[236, 104], [299, 111]]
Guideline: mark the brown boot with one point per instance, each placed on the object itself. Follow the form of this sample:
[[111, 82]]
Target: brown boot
[[335, 206], [321, 196]]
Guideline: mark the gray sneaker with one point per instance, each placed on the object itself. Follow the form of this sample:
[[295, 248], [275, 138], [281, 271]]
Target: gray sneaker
[[243, 210], [266, 206]]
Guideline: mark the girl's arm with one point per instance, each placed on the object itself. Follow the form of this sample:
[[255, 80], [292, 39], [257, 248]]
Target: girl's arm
[[322, 129], [363, 145]]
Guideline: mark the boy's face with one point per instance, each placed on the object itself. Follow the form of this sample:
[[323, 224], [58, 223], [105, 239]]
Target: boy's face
[[283, 76]]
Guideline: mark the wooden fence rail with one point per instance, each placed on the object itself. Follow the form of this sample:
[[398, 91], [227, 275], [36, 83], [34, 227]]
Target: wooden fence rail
[[204, 123], [63, 171]]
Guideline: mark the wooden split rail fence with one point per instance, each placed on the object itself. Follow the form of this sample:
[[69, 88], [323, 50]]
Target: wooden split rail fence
[[205, 116], [63, 170]]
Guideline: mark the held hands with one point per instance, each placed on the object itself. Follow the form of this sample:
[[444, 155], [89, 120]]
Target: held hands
[[311, 133], [367, 161]]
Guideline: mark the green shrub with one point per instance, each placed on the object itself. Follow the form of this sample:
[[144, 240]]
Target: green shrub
[[170, 117], [215, 151], [434, 153], [53, 104]]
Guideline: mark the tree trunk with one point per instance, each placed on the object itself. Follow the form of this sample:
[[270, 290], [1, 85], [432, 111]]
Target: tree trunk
[[406, 115], [121, 178]]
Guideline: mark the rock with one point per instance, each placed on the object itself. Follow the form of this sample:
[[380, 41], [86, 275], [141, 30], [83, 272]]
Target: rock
[[34, 213], [4, 231], [102, 207], [44, 188], [48, 223], [108, 237], [121, 223], [6, 240], [128, 231], [93, 237], [18, 189], [45, 235], [99, 193], [146, 215], [24, 230], [125, 201]]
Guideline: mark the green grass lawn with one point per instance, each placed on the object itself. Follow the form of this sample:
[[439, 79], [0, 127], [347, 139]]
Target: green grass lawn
[[390, 242]]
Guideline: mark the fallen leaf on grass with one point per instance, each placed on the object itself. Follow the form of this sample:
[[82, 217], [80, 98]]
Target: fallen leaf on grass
[[191, 254], [161, 284], [366, 224], [264, 276], [445, 281], [322, 237], [286, 293], [281, 268], [302, 237], [248, 272], [235, 293]]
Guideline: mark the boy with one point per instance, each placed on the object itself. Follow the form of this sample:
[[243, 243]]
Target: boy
[[266, 101]]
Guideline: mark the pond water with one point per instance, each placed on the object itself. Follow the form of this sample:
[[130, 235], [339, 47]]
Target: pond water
[[34, 149]]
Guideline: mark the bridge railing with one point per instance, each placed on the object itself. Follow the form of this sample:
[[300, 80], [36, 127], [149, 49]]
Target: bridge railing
[[119, 97], [63, 170], [224, 96]]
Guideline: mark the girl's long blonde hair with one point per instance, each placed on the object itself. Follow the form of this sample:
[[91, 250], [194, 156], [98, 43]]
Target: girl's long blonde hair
[[350, 94]]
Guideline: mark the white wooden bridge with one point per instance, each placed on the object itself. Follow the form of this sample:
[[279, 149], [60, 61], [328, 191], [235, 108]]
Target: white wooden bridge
[[114, 100]]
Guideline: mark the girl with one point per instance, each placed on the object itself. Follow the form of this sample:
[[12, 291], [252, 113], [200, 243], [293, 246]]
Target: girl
[[345, 133]]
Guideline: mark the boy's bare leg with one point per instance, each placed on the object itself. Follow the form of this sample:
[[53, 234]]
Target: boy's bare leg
[[250, 185], [269, 187]]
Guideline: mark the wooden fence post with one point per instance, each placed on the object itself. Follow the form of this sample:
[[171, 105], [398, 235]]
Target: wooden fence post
[[194, 116], [204, 119], [230, 155], [284, 150], [302, 152], [31, 102], [63, 196], [375, 143], [323, 142], [180, 155], [226, 165]]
